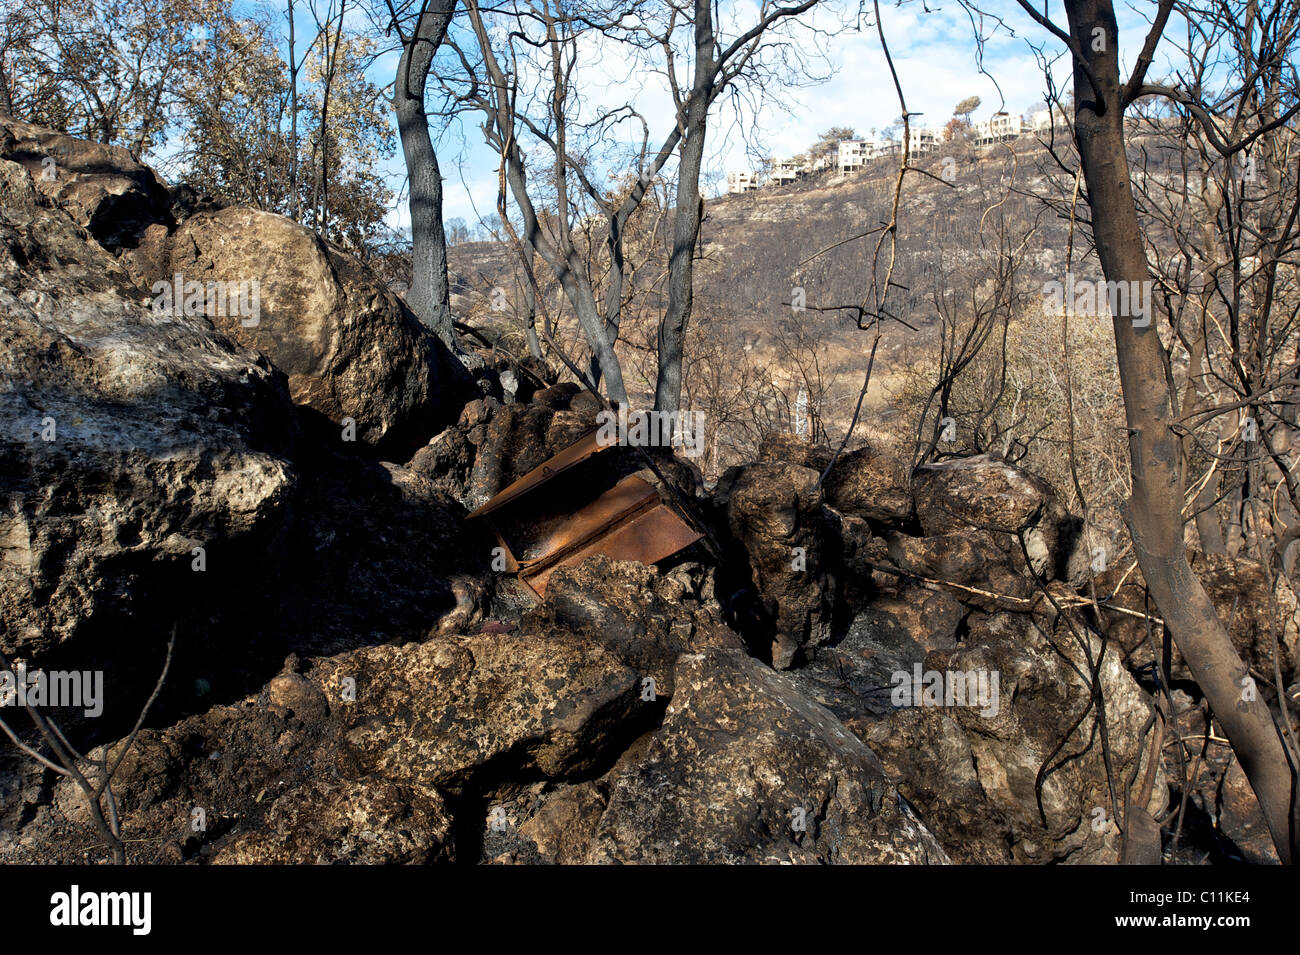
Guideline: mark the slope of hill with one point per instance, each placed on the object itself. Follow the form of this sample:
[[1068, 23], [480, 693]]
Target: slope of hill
[[763, 253], [758, 248]]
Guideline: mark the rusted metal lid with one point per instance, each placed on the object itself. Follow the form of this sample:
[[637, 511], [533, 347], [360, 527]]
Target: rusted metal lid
[[647, 536], [562, 525]]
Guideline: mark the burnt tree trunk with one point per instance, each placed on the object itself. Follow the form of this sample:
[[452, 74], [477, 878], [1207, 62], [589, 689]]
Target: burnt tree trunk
[[429, 294], [687, 216]]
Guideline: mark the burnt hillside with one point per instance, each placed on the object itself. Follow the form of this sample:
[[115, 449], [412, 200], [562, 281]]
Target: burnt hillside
[[757, 248]]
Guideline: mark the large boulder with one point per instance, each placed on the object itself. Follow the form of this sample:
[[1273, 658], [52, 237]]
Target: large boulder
[[648, 619], [144, 468], [589, 669], [782, 577], [351, 349], [105, 190], [744, 770], [987, 493], [347, 822], [367, 754], [354, 354], [870, 483], [975, 769], [960, 558], [981, 567], [433, 714]]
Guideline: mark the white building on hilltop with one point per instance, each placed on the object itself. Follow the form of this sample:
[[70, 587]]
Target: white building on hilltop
[[856, 153], [998, 128], [785, 171], [922, 139], [738, 182], [1042, 121]]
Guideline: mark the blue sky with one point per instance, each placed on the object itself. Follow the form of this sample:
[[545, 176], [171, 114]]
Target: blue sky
[[934, 52]]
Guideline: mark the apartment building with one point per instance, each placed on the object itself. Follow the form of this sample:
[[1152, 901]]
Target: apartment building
[[922, 139], [855, 153], [745, 181], [1042, 121], [785, 171], [998, 128]]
